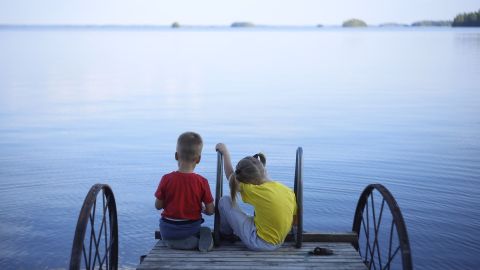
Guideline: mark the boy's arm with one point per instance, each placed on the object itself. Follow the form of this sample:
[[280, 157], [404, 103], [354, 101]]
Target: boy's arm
[[227, 162], [158, 204], [209, 209]]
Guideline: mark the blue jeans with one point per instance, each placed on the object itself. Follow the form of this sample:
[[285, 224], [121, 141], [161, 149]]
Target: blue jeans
[[180, 235], [234, 220]]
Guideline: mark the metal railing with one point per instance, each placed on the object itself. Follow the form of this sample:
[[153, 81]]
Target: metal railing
[[218, 195], [298, 189]]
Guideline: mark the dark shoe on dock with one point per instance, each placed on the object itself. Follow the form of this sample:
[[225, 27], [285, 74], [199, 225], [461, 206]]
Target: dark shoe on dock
[[205, 243], [232, 238], [319, 251]]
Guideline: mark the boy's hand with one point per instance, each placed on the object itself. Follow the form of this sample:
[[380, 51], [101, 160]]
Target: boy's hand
[[209, 209], [158, 204]]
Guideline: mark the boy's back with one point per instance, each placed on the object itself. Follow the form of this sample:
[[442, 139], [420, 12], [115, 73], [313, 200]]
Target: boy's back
[[183, 195]]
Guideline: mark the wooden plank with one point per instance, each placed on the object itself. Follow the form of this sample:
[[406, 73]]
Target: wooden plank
[[258, 265], [254, 267], [347, 237], [233, 254], [187, 265], [287, 247], [236, 256]]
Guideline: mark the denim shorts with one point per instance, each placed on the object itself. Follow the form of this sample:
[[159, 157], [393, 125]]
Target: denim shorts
[[175, 230]]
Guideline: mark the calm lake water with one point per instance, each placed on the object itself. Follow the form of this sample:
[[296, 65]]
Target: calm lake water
[[399, 107]]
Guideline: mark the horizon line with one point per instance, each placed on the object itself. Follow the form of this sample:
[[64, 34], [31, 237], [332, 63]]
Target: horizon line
[[200, 25]]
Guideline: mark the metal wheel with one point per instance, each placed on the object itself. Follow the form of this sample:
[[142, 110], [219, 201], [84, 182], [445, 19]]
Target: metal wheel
[[98, 222], [382, 237], [298, 189], [218, 195]]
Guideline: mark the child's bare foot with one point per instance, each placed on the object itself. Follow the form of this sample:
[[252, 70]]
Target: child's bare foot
[[205, 243]]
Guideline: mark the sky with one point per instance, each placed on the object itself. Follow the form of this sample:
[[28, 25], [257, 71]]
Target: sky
[[224, 12]]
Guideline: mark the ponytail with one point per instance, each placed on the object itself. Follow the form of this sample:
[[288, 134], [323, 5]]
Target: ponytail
[[234, 187], [261, 157], [249, 170]]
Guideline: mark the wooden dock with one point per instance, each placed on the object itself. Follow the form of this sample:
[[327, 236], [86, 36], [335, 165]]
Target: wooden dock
[[237, 256], [367, 246]]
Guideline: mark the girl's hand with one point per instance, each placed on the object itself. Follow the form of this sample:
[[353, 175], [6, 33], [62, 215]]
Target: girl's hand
[[222, 148]]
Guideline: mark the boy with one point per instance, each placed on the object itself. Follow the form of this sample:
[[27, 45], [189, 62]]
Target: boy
[[181, 194]]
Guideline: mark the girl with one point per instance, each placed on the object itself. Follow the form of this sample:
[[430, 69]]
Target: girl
[[274, 204]]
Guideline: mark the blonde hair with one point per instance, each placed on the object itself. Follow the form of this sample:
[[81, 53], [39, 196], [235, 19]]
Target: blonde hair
[[189, 146], [250, 170]]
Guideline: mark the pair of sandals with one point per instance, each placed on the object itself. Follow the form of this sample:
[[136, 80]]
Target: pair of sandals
[[319, 251]]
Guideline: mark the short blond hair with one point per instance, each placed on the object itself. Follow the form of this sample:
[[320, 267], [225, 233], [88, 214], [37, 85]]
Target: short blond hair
[[189, 146]]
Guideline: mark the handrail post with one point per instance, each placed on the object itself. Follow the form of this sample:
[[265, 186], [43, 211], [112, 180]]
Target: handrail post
[[298, 189], [218, 195]]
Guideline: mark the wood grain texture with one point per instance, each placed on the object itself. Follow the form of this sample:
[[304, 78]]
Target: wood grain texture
[[237, 256]]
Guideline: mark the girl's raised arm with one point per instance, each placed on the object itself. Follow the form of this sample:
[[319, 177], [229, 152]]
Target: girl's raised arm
[[227, 162]]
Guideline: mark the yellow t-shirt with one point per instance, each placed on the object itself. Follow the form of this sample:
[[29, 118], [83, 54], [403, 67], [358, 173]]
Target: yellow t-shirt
[[274, 205]]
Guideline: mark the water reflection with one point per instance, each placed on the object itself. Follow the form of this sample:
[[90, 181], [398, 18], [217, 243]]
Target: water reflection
[[397, 107]]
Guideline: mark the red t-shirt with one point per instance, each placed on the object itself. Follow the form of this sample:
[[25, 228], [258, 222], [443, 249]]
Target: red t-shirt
[[182, 195]]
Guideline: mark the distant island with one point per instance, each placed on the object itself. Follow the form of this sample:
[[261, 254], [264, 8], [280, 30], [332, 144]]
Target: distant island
[[432, 23], [471, 19], [354, 23], [242, 24], [468, 19], [393, 25]]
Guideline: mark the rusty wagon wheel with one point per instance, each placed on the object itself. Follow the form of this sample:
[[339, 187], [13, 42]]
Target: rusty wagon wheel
[[382, 238], [95, 245]]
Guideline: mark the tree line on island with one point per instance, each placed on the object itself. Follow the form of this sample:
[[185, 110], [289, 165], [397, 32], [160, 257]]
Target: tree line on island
[[471, 19], [467, 19]]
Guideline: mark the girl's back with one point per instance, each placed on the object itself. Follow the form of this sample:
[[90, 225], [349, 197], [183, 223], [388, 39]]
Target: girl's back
[[274, 205]]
